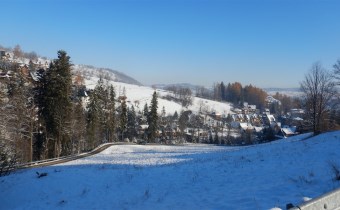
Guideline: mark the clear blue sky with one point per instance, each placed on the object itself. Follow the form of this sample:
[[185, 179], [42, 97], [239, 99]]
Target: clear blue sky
[[268, 43]]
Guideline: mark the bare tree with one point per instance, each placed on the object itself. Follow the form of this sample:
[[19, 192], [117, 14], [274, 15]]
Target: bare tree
[[17, 51], [336, 71], [319, 90]]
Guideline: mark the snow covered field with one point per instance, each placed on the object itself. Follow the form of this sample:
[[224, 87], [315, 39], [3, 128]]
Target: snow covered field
[[181, 177], [139, 95]]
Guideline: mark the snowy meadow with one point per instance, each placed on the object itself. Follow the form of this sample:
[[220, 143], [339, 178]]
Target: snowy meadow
[[182, 177]]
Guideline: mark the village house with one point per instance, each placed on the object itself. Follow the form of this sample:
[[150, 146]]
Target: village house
[[287, 131]]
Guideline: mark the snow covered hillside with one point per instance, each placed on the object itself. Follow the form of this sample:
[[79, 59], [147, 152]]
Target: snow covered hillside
[[91, 71], [87, 70], [291, 92], [138, 95], [182, 177]]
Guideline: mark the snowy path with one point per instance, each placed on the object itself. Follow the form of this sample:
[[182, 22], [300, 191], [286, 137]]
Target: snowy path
[[181, 177]]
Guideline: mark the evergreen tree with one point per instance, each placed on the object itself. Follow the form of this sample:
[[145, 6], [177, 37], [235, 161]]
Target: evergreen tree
[[146, 112], [211, 140], [92, 121], [56, 104], [175, 116], [78, 128], [111, 121], [123, 118], [153, 118], [40, 145], [216, 139], [131, 124], [101, 93], [183, 121], [223, 94]]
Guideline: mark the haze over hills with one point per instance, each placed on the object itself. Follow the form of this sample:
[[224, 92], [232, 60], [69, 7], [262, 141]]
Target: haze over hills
[[181, 85], [291, 92]]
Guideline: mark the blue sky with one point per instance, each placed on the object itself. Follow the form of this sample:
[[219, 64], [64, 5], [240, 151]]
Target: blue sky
[[267, 43]]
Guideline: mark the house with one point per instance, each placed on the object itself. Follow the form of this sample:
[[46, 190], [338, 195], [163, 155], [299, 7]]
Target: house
[[268, 119], [266, 111], [236, 110], [142, 128], [246, 126], [286, 132], [258, 129], [271, 100], [252, 108], [248, 108]]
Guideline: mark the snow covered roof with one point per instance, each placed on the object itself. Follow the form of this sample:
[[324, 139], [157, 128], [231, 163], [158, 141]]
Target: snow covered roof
[[271, 118], [252, 107], [288, 131], [258, 129], [144, 126], [271, 99], [34, 76], [246, 126]]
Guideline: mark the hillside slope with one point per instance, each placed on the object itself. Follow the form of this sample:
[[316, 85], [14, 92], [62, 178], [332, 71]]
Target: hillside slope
[[113, 75], [87, 70], [182, 177], [138, 95]]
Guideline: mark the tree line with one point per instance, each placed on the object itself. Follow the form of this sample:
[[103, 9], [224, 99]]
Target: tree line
[[51, 117], [237, 94]]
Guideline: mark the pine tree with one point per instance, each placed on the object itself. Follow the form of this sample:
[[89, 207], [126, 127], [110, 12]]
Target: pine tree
[[55, 102], [78, 128], [146, 112], [183, 121], [153, 118], [216, 139], [102, 93], [175, 116], [131, 124], [211, 140], [40, 145], [92, 121], [223, 94], [123, 118], [111, 121]]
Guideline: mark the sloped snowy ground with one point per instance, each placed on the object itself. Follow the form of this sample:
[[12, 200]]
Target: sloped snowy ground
[[181, 177], [143, 94]]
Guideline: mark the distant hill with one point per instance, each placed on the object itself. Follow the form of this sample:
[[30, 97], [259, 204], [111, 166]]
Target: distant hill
[[182, 85], [292, 92], [43, 62], [107, 73]]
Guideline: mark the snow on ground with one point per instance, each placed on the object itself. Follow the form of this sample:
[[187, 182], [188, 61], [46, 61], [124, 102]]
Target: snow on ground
[[264, 176], [139, 95]]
